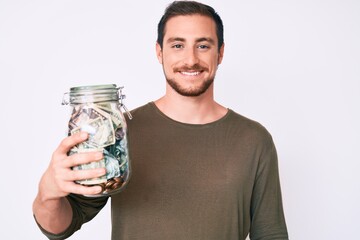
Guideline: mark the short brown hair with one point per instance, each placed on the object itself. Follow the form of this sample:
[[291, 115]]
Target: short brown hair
[[183, 8]]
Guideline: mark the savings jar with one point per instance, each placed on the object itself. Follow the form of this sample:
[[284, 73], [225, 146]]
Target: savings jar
[[97, 110]]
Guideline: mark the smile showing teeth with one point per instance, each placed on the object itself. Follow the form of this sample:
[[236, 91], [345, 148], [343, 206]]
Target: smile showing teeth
[[190, 73]]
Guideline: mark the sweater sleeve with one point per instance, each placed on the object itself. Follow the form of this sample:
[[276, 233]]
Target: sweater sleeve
[[267, 216], [84, 209]]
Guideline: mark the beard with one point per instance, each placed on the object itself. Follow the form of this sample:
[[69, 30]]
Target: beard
[[190, 91]]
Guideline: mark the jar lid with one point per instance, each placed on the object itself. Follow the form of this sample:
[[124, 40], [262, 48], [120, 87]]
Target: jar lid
[[94, 94], [92, 88]]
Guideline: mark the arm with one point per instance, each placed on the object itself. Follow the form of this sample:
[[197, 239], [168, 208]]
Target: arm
[[51, 208], [267, 216]]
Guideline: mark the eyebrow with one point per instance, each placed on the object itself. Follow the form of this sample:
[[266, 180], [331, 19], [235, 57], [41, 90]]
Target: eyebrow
[[179, 39]]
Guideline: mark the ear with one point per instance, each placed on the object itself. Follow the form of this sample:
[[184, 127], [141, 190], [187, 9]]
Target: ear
[[221, 54], [159, 53]]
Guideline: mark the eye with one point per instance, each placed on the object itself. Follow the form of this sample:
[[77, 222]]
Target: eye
[[177, 46], [203, 46]]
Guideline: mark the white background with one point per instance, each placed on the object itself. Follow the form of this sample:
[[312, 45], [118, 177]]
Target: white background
[[294, 66]]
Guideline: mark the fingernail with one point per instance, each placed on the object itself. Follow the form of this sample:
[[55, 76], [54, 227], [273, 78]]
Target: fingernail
[[98, 190], [83, 135]]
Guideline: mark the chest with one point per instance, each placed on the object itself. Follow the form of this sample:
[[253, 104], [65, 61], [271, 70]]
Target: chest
[[184, 161]]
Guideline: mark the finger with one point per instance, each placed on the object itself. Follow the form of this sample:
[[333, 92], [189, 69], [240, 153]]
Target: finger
[[82, 158], [83, 190], [70, 142], [76, 175]]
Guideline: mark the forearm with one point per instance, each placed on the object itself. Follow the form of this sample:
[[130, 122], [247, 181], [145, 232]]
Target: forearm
[[54, 215]]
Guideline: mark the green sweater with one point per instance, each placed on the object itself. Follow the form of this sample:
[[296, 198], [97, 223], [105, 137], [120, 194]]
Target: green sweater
[[215, 181]]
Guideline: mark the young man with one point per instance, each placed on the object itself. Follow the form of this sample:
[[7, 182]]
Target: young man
[[199, 170]]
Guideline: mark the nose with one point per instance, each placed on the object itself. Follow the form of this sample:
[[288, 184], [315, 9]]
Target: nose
[[191, 57]]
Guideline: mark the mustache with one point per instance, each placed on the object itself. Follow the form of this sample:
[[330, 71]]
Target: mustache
[[195, 67]]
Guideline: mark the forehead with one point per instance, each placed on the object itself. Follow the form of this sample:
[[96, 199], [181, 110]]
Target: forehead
[[190, 26]]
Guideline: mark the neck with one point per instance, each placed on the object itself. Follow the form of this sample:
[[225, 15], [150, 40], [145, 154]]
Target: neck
[[193, 110]]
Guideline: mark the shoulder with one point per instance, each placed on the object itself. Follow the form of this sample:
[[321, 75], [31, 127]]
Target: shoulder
[[143, 110], [249, 128], [143, 115]]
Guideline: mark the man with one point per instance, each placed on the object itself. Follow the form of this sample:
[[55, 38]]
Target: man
[[199, 170]]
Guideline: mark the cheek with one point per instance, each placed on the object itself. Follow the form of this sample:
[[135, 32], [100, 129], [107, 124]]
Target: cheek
[[167, 66], [169, 62], [212, 64]]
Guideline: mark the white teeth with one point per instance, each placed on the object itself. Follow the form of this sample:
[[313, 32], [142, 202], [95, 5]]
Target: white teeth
[[190, 73]]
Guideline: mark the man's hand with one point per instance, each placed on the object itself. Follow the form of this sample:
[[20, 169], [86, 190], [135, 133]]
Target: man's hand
[[58, 179], [51, 209]]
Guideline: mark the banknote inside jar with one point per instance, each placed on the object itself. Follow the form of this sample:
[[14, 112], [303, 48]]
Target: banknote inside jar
[[106, 127]]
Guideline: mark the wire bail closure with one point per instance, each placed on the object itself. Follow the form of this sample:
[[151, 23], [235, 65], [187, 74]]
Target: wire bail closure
[[66, 99], [121, 98]]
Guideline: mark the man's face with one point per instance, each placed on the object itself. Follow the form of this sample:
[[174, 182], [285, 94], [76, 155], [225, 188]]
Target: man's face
[[190, 54]]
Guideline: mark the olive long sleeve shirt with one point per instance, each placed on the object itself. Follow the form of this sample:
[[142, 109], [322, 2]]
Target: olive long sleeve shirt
[[193, 181]]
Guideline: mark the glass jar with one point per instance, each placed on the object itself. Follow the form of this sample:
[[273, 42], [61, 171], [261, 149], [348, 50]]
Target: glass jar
[[97, 111]]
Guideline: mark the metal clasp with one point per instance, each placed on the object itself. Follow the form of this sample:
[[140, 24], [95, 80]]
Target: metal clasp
[[121, 98], [66, 99]]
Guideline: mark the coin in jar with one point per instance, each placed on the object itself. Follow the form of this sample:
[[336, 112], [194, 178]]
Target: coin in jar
[[109, 184]]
